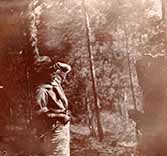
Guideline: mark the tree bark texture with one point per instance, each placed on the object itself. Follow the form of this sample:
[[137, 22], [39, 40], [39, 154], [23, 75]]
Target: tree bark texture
[[92, 70]]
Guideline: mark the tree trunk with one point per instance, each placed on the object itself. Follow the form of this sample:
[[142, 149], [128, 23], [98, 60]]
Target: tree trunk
[[129, 65], [163, 9], [92, 70], [164, 18], [91, 123]]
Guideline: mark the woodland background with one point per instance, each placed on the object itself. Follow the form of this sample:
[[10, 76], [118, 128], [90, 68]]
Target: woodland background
[[128, 43]]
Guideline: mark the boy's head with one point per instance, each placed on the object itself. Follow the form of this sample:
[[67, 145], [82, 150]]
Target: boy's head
[[48, 70]]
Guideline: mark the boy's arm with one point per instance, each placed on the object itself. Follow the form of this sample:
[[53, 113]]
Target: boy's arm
[[41, 100], [60, 93]]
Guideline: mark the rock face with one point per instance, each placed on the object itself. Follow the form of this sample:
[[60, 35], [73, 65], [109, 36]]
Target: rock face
[[152, 78]]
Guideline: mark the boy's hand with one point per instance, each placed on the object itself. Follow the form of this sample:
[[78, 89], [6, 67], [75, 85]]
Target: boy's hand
[[51, 115], [66, 119], [42, 110]]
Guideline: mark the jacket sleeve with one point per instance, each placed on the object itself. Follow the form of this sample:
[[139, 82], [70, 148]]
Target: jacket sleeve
[[40, 101], [61, 95]]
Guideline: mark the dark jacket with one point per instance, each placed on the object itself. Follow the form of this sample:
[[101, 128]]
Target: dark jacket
[[48, 97]]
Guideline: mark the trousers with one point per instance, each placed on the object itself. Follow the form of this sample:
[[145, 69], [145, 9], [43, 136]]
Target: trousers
[[57, 141]]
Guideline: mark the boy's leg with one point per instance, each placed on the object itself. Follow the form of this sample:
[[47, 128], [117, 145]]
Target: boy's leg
[[57, 143]]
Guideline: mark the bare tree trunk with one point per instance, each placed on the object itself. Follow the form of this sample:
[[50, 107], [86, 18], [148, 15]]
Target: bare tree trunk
[[92, 70], [163, 9], [90, 118], [164, 18], [29, 56], [129, 65], [28, 113]]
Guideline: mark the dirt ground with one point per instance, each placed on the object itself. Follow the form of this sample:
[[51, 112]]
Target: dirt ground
[[119, 140]]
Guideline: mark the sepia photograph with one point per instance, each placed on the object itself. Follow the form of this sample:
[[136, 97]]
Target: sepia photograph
[[83, 77]]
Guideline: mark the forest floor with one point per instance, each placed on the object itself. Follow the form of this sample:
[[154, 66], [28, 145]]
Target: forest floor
[[119, 139]]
